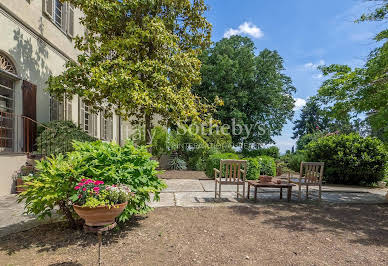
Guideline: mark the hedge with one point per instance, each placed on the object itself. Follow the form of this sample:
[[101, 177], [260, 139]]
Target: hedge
[[213, 161], [267, 165], [253, 171], [349, 159]]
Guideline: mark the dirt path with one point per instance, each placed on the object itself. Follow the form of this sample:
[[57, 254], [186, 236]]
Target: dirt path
[[264, 234]]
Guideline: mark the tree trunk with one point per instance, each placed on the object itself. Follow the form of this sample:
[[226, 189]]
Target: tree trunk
[[148, 131], [65, 209]]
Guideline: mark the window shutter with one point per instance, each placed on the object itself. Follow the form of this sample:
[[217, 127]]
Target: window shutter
[[48, 7], [70, 20], [69, 113], [82, 115], [64, 17]]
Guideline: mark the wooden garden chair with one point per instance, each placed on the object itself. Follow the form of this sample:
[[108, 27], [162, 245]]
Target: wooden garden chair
[[231, 172], [311, 174]]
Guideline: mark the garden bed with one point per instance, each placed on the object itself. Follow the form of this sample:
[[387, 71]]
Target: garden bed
[[174, 174], [265, 234]]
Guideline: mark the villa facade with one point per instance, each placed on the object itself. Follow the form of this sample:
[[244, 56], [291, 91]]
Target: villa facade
[[36, 42]]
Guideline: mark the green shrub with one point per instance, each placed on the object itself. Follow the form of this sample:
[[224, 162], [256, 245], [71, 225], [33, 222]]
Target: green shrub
[[267, 165], [213, 161], [272, 151], [59, 136], [177, 163], [57, 176], [349, 159], [253, 171], [293, 160], [303, 141]]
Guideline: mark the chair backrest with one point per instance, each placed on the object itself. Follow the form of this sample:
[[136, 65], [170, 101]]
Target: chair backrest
[[230, 170], [312, 172]]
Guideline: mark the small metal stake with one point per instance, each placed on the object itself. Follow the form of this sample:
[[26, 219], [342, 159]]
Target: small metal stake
[[99, 234]]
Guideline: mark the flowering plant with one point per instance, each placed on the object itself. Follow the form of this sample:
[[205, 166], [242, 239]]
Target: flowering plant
[[94, 193]]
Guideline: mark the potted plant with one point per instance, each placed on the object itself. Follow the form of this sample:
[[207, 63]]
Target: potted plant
[[20, 180], [99, 204]]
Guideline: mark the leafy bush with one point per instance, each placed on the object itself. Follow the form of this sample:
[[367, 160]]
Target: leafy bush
[[214, 162], [59, 136], [253, 171], [58, 175], [267, 165], [272, 151], [293, 160], [303, 141], [349, 159], [177, 163]]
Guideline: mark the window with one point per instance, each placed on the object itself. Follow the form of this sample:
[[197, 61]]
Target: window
[[56, 110], [88, 120], [6, 104], [62, 14], [106, 127]]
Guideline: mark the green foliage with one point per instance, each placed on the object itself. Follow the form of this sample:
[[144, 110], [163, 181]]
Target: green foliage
[[254, 89], [253, 168], [213, 161], [304, 140], [59, 136], [94, 193], [361, 90], [58, 175], [140, 57], [272, 151], [177, 163], [293, 161], [349, 159], [267, 165]]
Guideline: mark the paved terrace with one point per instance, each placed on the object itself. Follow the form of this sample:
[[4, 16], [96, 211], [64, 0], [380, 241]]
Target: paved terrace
[[200, 193]]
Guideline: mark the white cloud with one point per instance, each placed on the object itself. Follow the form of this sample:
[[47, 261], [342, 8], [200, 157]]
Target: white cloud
[[318, 76], [246, 28], [311, 65], [299, 103]]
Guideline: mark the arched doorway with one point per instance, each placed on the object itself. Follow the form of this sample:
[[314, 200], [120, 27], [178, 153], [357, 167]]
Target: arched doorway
[[7, 104]]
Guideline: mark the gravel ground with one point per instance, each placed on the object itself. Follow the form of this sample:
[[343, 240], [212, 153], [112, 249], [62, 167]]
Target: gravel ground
[[276, 234]]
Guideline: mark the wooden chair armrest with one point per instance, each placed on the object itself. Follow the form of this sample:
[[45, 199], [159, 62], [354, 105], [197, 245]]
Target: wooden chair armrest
[[216, 172]]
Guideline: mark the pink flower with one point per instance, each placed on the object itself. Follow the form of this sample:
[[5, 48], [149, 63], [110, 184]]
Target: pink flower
[[84, 189], [77, 187], [96, 189], [83, 180], [79, 196]]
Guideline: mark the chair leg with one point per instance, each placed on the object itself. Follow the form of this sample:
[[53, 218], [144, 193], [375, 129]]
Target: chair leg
[[215, 190], [238, 188], [300, 192], [219, 191], [307, 191], [244, 191], [320, 192]]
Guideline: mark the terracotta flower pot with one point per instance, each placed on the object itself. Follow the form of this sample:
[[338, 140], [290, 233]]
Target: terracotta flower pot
[[101, 215], [19, 185]]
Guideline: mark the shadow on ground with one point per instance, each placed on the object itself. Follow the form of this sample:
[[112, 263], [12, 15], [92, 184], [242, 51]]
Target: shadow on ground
[[53, 236], [368, 223]]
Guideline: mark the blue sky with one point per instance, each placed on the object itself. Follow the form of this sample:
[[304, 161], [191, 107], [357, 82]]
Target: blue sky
[[306, 33]]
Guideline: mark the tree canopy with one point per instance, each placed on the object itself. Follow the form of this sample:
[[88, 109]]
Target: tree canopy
[[139, 58], [253, 88], [362, 90]]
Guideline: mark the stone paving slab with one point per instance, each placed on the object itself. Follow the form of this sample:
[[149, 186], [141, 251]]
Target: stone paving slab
[[182, 185]]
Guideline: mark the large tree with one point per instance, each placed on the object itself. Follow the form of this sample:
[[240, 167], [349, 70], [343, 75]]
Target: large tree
[[365, 89], [315, 118], [254, 89], [139, 58]]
